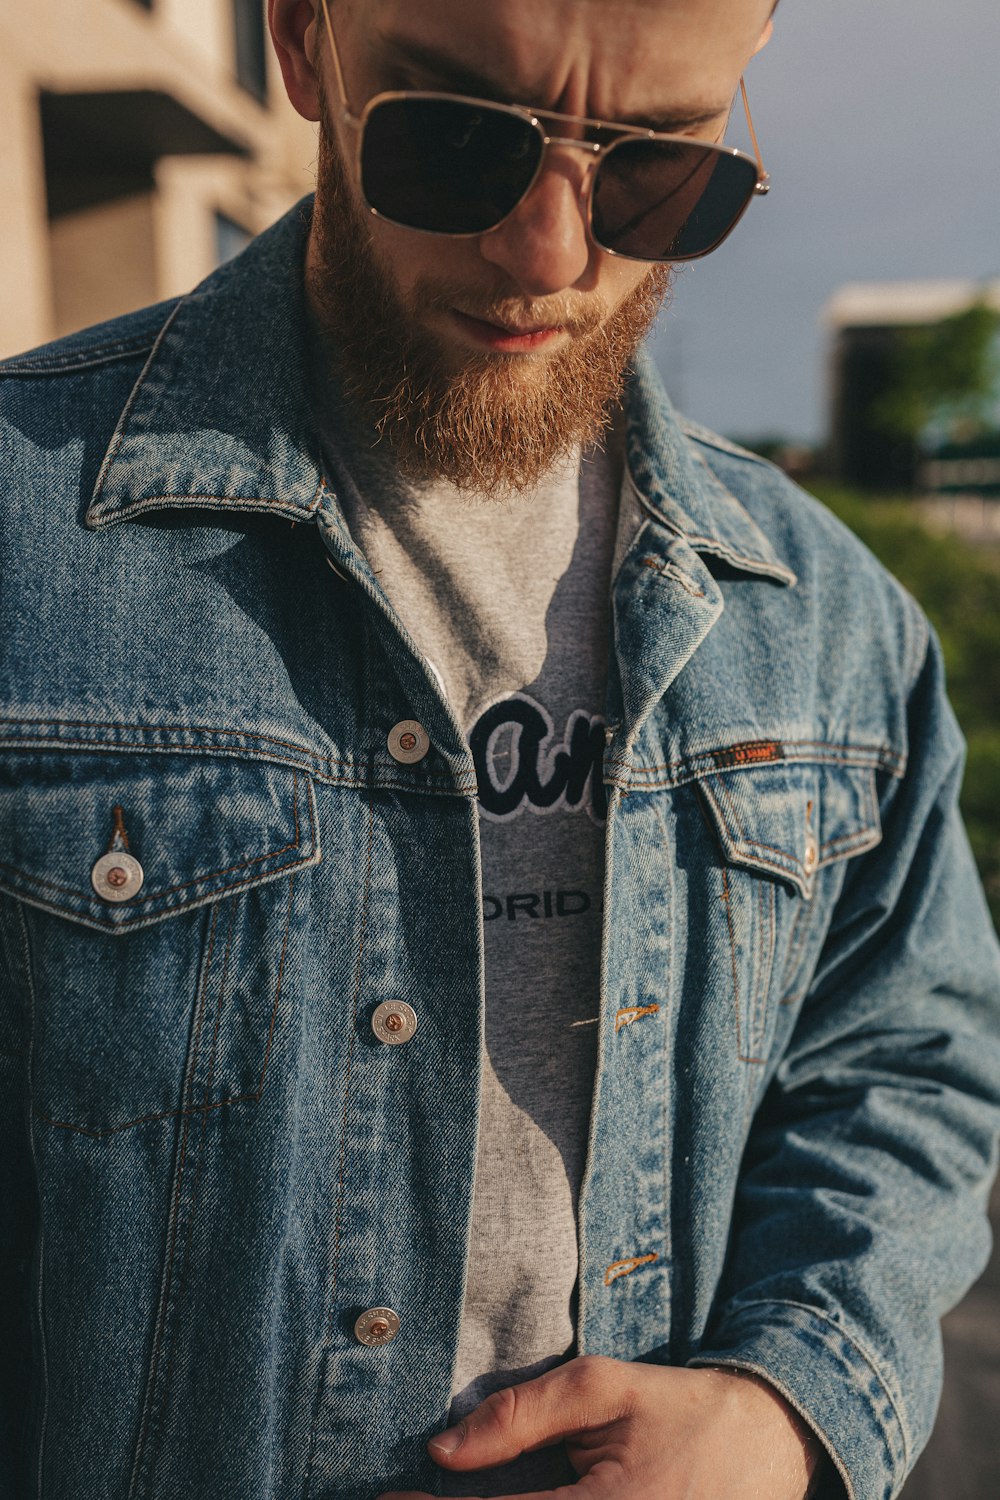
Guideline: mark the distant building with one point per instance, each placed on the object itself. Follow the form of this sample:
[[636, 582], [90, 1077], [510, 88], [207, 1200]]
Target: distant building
[[144, 141], [865, 319]]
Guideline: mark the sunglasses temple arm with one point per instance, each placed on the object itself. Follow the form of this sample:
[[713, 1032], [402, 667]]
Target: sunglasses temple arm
[[341, 85], [763, 176]]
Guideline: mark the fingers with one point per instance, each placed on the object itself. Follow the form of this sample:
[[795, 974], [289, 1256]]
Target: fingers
[[582, 1394]]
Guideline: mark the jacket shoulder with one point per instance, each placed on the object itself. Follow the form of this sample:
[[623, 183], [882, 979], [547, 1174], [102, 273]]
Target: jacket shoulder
[[59, 407], [837, 572], [122, 338]]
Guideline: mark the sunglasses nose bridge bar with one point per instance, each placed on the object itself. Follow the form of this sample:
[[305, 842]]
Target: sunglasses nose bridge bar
[[593, 150]]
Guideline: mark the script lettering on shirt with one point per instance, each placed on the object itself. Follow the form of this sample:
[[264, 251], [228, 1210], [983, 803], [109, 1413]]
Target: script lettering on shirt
[[521, 765]]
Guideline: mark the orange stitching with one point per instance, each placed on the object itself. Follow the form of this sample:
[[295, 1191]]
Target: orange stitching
[[118, 831], [765, 959], [882, 752], [724, 788], [753, 843], [619, 1268], [632, 1013]]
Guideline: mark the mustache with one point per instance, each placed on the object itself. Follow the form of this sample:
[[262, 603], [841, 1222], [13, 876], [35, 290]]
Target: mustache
[[577, 315]]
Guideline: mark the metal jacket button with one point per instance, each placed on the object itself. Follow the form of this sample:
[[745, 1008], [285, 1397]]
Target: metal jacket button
[[408, 742], [810, 858], [117, 876], [376, 1327], [394, 1022]]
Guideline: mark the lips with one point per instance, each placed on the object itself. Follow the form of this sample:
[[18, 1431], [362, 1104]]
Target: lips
[[506, 337]]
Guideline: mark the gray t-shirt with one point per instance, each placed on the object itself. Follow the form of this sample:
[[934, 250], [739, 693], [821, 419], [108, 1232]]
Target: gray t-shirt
[[509, 603]]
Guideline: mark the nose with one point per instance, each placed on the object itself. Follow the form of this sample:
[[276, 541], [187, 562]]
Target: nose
[[544, 245]]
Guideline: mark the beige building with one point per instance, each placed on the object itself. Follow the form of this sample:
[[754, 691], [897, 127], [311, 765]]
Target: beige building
[[143, 142]]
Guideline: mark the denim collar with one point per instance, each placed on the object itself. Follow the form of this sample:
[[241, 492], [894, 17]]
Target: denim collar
[[219, 419]]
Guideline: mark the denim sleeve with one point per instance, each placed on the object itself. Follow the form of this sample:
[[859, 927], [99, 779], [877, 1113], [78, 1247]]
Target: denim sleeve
[[860, 1216]]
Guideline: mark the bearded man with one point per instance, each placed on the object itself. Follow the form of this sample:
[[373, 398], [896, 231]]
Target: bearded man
[[495, 992]]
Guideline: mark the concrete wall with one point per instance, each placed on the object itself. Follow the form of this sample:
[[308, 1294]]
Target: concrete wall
[[64, 270]]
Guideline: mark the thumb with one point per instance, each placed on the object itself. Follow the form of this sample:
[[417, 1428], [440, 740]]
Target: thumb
[[535, 1414]]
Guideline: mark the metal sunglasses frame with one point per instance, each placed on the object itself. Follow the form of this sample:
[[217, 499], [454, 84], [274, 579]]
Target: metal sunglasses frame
[[539, 119]]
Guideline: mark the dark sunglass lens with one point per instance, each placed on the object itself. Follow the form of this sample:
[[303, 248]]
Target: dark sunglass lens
[[454, 168], [665, 200]]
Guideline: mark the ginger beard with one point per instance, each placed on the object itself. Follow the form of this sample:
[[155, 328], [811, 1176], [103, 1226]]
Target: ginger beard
[[498, 423]]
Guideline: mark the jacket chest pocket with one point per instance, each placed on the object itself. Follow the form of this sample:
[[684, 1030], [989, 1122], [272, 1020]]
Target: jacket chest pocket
[[157, 898], [784, 832]]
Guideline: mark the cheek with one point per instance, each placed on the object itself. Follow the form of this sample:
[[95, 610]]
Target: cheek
[[617, 278], [409, 258]]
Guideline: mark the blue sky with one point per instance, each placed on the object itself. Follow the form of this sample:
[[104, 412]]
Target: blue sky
[[879, 121]]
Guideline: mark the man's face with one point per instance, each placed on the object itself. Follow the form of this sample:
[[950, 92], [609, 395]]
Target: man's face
[[534, 301]]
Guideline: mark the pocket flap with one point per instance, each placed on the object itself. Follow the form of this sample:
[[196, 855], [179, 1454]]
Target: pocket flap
[[199, 828], [793, 819]]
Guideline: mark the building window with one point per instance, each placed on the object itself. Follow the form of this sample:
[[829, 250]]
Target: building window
[[251, 47], [230, 238]]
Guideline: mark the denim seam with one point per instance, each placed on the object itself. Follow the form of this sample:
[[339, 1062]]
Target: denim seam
[[880, 753], [118, 438], [171, 890], [342, 1169], [796, 947], [753, 1367], [851, 1338], [203, 729], [39, 1305], [363, 773], [246, 503], [765, 963], [738, 836], [216, 893], [199, 1109], [713, 834], [709, 439], [857, 836], [199, 1163], [152, 1415], [355, 1005], [631, 778], [100, 354]]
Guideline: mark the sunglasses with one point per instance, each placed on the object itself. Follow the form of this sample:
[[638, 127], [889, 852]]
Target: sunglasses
[[447, 164]]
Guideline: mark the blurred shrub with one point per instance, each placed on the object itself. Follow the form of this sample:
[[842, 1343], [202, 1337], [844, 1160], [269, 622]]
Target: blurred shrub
[[959, 586]]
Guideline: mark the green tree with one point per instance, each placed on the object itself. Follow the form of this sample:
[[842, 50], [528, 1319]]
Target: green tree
[[959, 587], [945, 377]]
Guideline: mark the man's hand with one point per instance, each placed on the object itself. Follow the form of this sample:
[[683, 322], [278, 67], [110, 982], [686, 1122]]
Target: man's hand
[[642, 1432]]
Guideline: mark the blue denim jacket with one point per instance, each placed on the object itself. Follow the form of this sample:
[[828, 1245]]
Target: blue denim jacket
[[212, 1166]]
